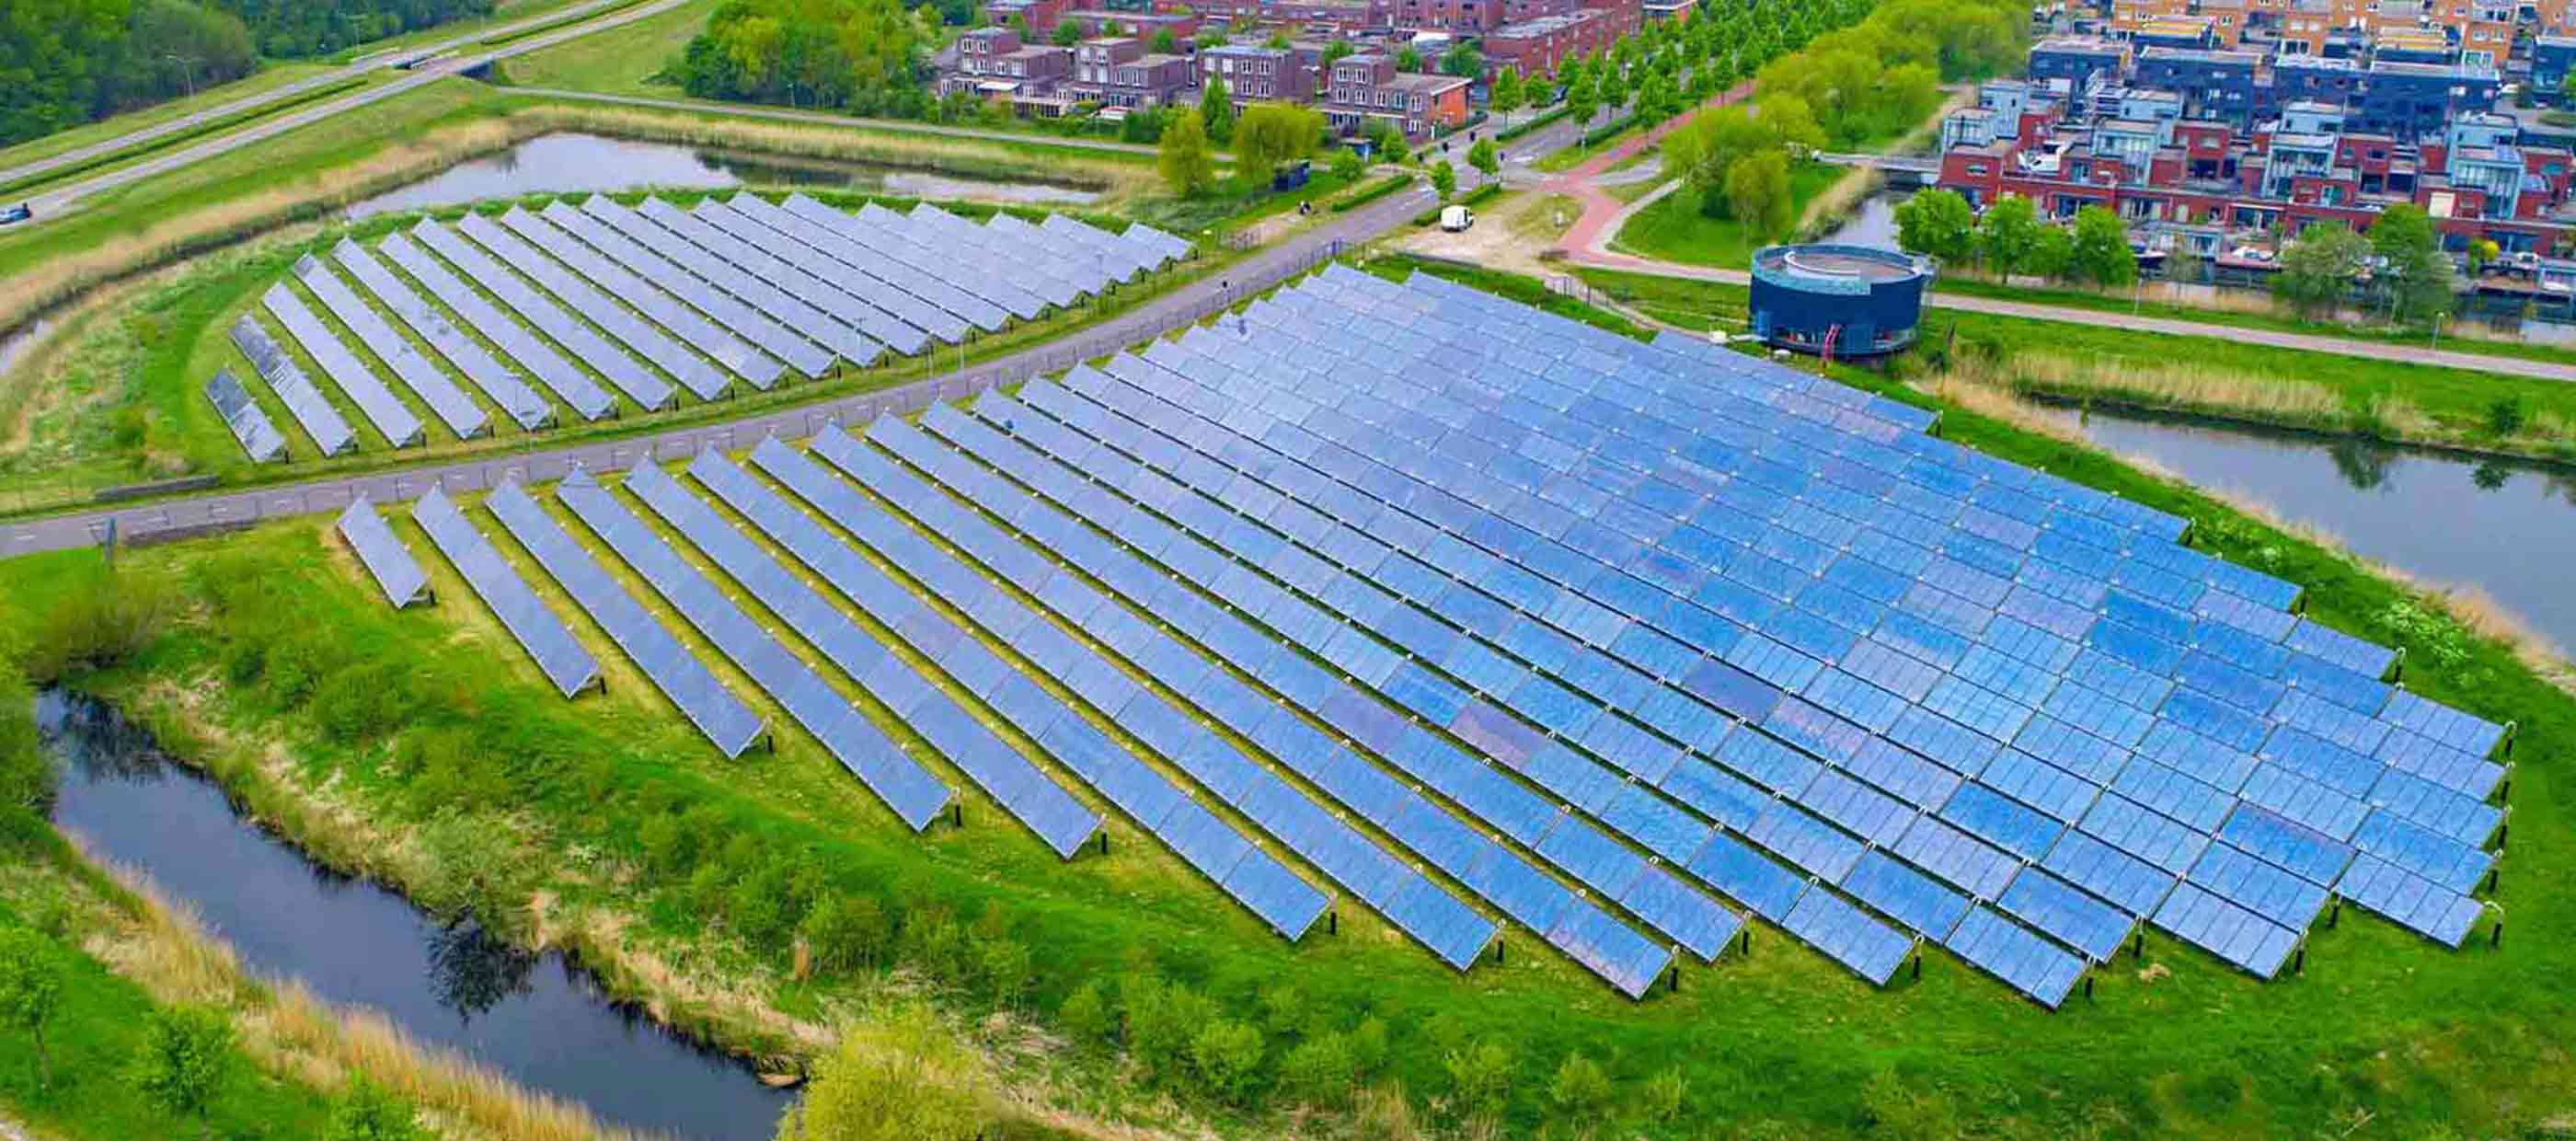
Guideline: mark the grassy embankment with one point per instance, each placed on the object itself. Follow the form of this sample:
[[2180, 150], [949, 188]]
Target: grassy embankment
[[411, 717], [1672, 228], [620, 61], [2206, 376], [114, 401], [268, 78]]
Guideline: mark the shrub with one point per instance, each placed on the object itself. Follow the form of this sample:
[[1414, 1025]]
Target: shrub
[[1373, 191], [1480, 1077], [1581, 1090], [1227, 1056], [1163, 1022], [846, 933], [762, 907], [2504, 416], [670, 848], [475, 864], [1085, 1016], [1319, 1071], [1663, 1097], [902, 1077], [1006, 970], [368, 1112]]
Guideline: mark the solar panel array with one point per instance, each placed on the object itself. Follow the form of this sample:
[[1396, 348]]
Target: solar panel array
[[835, 259], [1001, 771], [329, 430], [259, 437], [756, 368], [915, 796], [538, 629], [1252, 876], [721, 716], [446, 401], [385, 557], [1699, 633], [688, 273], [632, 377], [377, 403], [567, 381], [518, 401]]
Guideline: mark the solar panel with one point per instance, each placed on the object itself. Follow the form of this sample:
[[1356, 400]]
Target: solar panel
[[377, 403], [765, 282], [571, 270], [1871, 949], [573, 386], [915, 796], [2410, 901], [2024, 961], [259, 438], [386, 559], [688, 273], [855, 299], [705, 701], [328, 429], [920, 299], [535, 625], [504, 387], [446, 401], [660, 290], [640, 383]]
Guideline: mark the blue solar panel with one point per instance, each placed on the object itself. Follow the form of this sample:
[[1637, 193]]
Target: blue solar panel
[[1871, 949], [2232, 933], [1906, 895], [2409, 900], [2024, 961]]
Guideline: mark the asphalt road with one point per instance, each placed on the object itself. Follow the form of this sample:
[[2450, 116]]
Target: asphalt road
[[63, 199], [1162, 315]]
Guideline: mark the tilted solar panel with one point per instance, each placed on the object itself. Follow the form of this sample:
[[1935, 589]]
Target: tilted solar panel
[[534, 624], [567, 382], [446, 401], [536, 248], [329, 430], [503, 386], [391, 563], [630, 376], [259, 438], [377, 403]]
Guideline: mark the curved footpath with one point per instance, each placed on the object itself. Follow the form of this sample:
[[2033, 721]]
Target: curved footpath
[[62, 199], [1172, 311], [1588, 241]]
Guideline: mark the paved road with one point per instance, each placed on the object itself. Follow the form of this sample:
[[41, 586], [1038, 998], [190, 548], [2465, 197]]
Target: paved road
[[63, 199], [373, 61], [1162, 315], [829, 119]]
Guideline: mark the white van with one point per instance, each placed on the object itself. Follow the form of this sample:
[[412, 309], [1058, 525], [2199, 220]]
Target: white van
[[1455, 218]]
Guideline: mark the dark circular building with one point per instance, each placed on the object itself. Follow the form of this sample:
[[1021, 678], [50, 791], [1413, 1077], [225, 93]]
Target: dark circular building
[[1849, 301]]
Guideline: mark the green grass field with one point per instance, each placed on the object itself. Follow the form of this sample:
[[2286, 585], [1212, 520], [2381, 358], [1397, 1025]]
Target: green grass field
[[1673, 229], [619, 61], [2383, 1035]]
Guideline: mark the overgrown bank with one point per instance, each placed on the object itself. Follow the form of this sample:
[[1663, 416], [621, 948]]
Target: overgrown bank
[[1164, 1006]]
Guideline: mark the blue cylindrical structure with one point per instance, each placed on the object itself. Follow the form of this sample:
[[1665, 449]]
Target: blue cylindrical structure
[[1862, 300]]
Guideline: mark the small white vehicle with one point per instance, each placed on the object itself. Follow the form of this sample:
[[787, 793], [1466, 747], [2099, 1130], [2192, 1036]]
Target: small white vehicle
[[1456, 218]]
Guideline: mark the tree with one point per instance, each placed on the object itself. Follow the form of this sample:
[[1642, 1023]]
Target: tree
[[1408, 60], [1336, 50], [1272, 135], [187, 1056], [899, 1076], [1278, 41], [2319, 267], [1485, 157], [1066, 34], [2482, 253], [2101, 249], [2413, 269], [1216, 111], [1318, 1071], [1187, 161], [31, 991], [1937, 223], [1793, 122], [845, 933], [2008, 234], [1505, 95], [2052, 253], [1757, 191], [369, 1112], [2567, 88], [1207, 38], [1444, 179], [1347, 164], [1462, 61], [1578, 103], [1165, 42]]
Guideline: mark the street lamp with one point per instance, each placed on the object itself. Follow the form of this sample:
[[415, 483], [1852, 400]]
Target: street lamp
[[190, 64]]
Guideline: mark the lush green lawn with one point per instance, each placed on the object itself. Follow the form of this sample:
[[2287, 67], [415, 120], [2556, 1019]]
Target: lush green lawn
[[2381, 1029], [2455, 403], [619, 61], [1673, 229]]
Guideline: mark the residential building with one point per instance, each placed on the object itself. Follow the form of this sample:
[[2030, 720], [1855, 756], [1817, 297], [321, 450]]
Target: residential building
[[1367, 87], [993, 63], [2077, 59], [2212, 84], [1538, 46], [1117, 71], [1259, 73]]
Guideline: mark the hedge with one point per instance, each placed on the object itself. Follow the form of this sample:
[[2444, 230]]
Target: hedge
[[1516, 130], [1373, 191]]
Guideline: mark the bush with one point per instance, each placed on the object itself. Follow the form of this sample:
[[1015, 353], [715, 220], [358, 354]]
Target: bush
[[1373, 191], [1582, 1090], [2505, 417], [1516, 130], [1006, 969], [1163, 1024], [846, 933], [1319, 1071], [368, 1112], [900, 1076], [1085, 1016], [101, 620], [475, 864], [1227, 1056], [1663, 1098], [1480, 1077]]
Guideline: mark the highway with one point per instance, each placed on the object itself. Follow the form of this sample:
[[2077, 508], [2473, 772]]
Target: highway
[[59, 200]]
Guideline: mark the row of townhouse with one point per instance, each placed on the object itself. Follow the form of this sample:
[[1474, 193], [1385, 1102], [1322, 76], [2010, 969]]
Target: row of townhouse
[[2201, 179]]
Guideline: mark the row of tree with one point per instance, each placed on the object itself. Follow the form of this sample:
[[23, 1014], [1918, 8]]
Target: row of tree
[[2011, 239], [2399, 264], [864, 56]]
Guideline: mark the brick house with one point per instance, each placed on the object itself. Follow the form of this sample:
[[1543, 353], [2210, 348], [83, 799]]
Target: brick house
[[1367, 87], [1118, 72]]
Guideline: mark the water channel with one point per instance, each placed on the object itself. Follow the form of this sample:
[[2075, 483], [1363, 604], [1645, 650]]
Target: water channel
[[569, 161], [537, 1019]]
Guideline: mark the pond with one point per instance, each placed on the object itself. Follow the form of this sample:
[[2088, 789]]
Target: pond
[[1872, 223], [570, 161], [538, 1019], [2507, 528]]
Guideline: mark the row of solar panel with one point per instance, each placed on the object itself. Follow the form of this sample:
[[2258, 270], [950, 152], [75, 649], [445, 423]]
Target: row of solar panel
[[249, 424], [1409, 900], [320, 420], [1255, 878], [1541, 904], [1655, 826]]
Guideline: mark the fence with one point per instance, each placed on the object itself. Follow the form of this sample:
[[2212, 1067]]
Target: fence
[[186, 518]]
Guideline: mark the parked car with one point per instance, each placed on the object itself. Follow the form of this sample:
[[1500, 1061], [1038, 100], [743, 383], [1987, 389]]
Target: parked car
[[1456, 218], [18, 213]]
